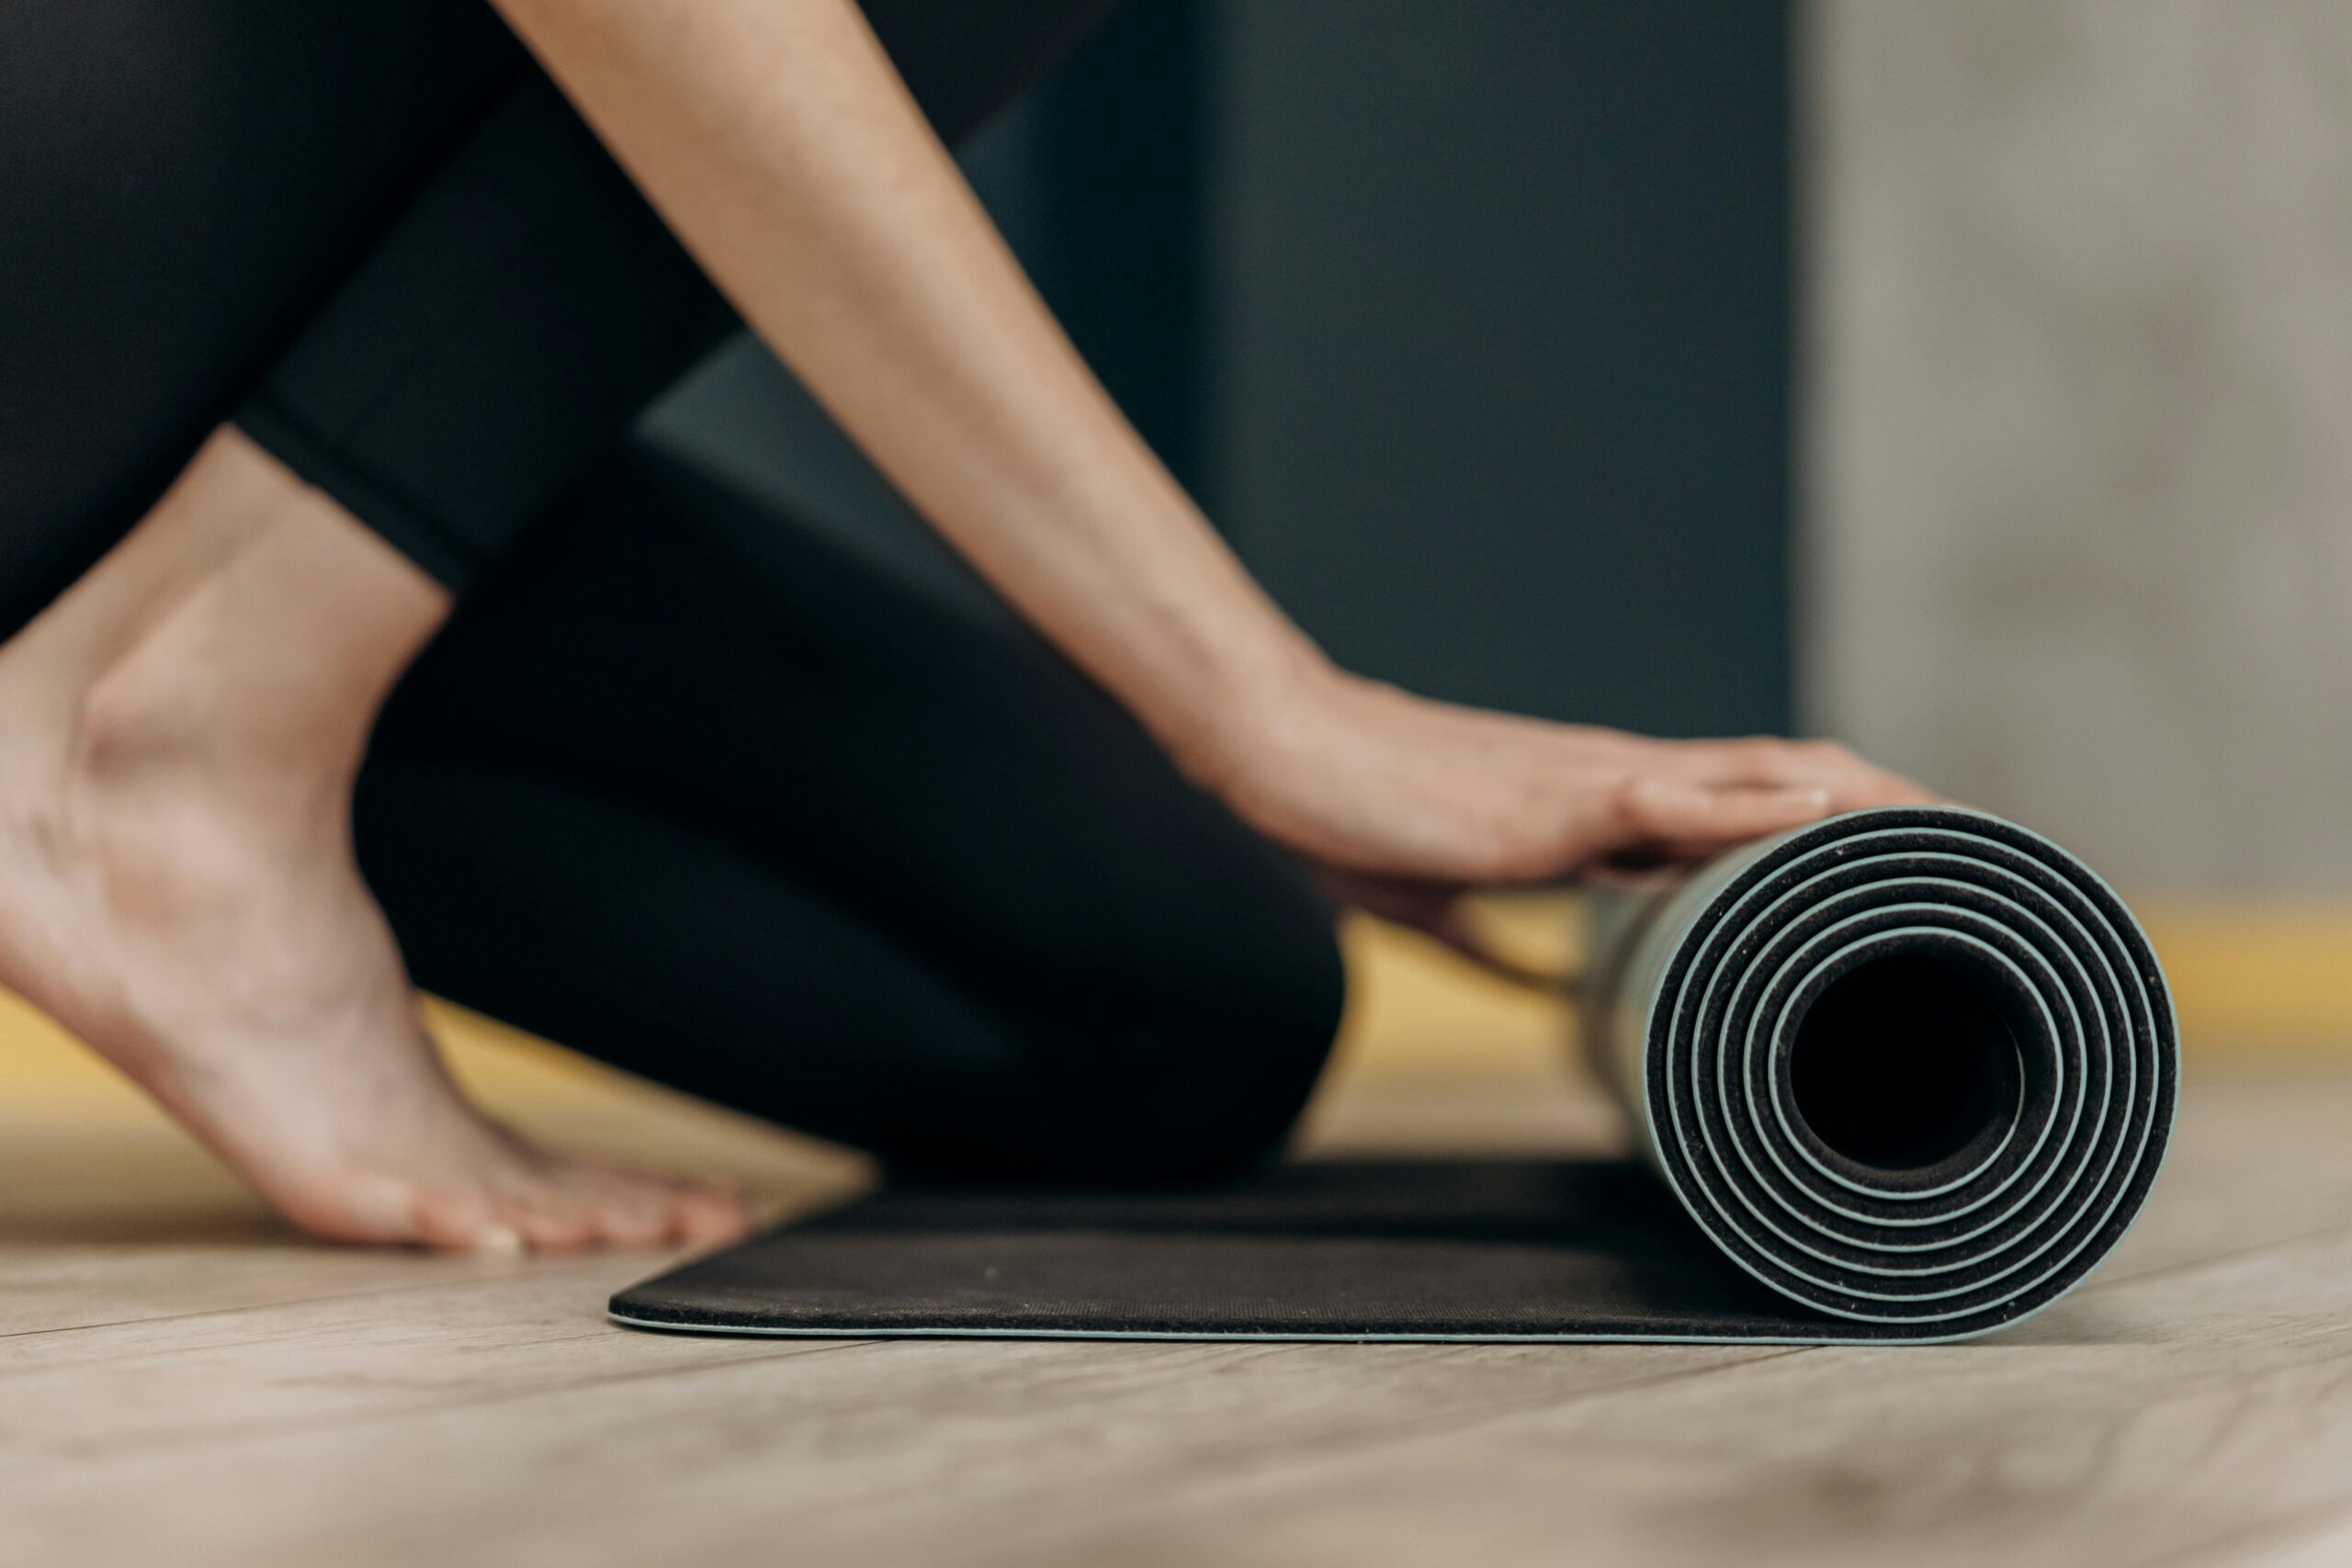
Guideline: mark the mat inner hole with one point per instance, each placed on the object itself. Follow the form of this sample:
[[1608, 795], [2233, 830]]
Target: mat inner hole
[[1903, 1062]]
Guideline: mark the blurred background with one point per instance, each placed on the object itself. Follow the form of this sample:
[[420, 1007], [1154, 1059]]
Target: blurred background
[[1972, 382]]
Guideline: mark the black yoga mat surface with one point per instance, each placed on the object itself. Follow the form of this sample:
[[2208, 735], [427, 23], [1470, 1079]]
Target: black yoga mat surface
[[1906, 1075], [1352, 1250]]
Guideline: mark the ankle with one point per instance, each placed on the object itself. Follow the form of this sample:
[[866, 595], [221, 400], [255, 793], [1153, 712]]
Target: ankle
[[164, 711], [247, 623]]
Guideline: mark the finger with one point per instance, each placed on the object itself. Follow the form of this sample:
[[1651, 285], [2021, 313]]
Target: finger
[[1671, 855], [1452, 928], [709, 1215], [1767, 761], [635, 1217], [1664, 811]]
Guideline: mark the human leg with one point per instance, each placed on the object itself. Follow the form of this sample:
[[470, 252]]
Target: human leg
[[689, 789], [183, 728], [187, 720]]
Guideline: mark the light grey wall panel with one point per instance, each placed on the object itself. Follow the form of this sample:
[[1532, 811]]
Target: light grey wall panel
[[2078, 530]]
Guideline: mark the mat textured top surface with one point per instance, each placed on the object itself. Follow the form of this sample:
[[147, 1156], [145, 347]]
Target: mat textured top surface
[[1420, 1250]]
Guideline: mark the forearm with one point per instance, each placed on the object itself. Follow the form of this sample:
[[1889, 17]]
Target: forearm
[[779, 144]]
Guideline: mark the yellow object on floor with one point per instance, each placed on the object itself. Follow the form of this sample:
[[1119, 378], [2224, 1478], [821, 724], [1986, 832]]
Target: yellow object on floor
[[2258, 979]]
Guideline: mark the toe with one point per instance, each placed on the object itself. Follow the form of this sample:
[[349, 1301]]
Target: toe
[[659, 1208], [710, 1214], [554, 1225], [634, 1215], [457, 1225]]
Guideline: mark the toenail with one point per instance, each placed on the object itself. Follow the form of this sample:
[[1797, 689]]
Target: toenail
[[503, 1241]]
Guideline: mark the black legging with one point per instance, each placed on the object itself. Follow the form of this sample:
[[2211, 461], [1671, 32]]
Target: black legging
[[678, 784]]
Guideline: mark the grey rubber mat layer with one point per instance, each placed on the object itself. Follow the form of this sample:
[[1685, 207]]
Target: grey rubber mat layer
[[1903, 1075]]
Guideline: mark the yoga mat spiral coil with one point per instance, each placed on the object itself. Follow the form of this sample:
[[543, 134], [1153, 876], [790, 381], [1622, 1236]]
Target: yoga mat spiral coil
[[1914, 1068]]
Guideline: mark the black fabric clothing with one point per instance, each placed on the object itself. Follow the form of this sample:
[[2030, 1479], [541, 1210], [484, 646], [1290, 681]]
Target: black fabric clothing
[[375, 232], [689, 788], [523, 309], [678, 785], [529, 303], [183, 183]]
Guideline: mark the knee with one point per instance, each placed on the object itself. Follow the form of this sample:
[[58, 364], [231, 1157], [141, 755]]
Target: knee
[[1205, 1088], [1139, 1088]]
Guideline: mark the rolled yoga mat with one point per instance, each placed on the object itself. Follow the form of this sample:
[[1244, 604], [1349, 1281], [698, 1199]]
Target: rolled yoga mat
[[1902, 1076]]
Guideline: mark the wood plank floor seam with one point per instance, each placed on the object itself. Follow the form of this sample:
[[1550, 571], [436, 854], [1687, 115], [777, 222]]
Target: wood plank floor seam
[[1620, 1447], [2109, 1280], [133, 1451], [1357, 1445], [586, 1265]]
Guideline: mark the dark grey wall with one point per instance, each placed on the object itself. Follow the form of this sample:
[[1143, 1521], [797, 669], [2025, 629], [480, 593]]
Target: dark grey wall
[[1504, 346], [1468, 319]]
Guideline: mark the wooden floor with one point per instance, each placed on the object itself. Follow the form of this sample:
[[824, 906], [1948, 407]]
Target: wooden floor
[[183, 1383]]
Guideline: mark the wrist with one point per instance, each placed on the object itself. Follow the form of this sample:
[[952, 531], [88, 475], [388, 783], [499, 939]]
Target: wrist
[[1254, 698]]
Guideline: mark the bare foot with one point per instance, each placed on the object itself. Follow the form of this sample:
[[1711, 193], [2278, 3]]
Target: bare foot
[[178, 736]]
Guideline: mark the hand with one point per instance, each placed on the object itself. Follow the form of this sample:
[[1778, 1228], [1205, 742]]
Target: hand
[[1405, 802]]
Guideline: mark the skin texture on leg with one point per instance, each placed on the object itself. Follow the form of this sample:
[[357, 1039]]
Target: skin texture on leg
[[183, 728], [689, 788], [179, 732]]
